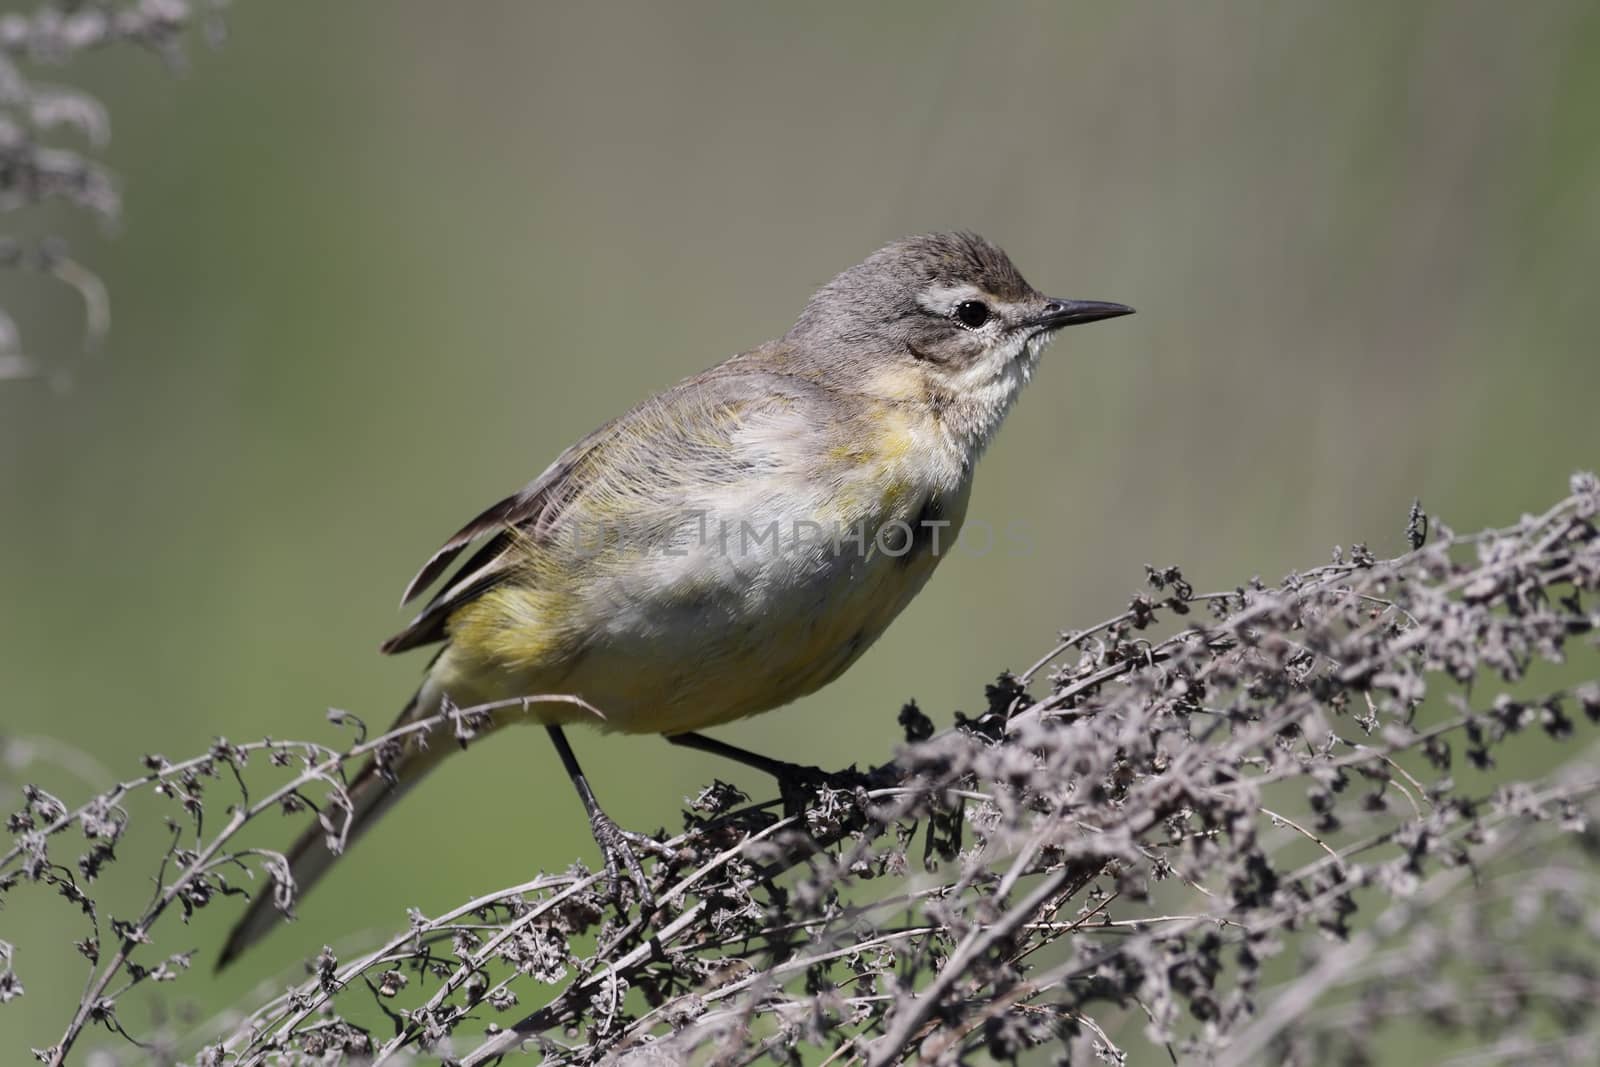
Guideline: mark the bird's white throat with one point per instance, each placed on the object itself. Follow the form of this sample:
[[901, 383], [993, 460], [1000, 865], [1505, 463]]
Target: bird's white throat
[[986, 392]]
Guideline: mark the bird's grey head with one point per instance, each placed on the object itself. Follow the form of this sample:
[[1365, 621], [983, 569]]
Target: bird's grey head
[[952, 303]]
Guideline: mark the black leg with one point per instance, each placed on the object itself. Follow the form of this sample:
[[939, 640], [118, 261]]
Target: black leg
[[615, 842], [797, 783], [779, 769]]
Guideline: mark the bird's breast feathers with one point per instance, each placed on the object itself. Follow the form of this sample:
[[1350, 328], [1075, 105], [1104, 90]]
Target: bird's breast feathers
[[737, 573]]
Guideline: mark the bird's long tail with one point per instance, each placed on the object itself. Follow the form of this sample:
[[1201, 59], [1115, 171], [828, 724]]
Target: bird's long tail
[[371, 795]]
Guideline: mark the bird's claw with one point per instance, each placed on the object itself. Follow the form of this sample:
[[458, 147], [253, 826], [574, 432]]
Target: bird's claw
[[617, 850], [799, 785]]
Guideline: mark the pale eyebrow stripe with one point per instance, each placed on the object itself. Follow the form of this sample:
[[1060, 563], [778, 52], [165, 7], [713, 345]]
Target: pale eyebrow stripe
[[941, 298]]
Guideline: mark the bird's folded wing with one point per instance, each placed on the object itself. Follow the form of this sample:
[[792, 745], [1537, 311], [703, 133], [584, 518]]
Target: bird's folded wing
[[638, 463]]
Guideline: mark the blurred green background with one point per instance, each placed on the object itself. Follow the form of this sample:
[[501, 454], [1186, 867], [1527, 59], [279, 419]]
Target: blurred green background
[[380, 262]]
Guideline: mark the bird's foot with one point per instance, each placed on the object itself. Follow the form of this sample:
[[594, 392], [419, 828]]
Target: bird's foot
[[799, 785], [617, 850]]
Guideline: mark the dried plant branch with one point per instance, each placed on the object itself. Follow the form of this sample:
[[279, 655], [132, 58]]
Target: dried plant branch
[[1114, 860], [43, 124]]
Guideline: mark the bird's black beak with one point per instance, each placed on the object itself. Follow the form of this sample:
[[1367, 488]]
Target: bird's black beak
[[1059, 313]]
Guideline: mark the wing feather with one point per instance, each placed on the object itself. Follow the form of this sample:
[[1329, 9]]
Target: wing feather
[[495, 517], [640, 441], [533, 509]]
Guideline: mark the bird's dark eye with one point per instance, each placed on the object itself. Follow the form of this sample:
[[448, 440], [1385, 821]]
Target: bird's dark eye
[[972, 313]]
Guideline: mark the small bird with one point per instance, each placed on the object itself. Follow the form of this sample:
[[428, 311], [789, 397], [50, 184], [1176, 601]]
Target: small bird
[[730, 544]]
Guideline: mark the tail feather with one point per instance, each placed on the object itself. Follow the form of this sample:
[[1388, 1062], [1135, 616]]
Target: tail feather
[[371, 796]]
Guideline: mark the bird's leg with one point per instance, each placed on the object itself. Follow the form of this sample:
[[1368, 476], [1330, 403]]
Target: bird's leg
[[616, 844], [776, 767], [797, 782]]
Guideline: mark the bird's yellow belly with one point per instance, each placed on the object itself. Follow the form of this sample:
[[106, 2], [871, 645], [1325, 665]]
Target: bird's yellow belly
[[700, 630], [724, 647], [710, 674]]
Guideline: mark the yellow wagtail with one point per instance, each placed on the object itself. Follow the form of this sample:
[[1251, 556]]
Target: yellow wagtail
[[732, 543]]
